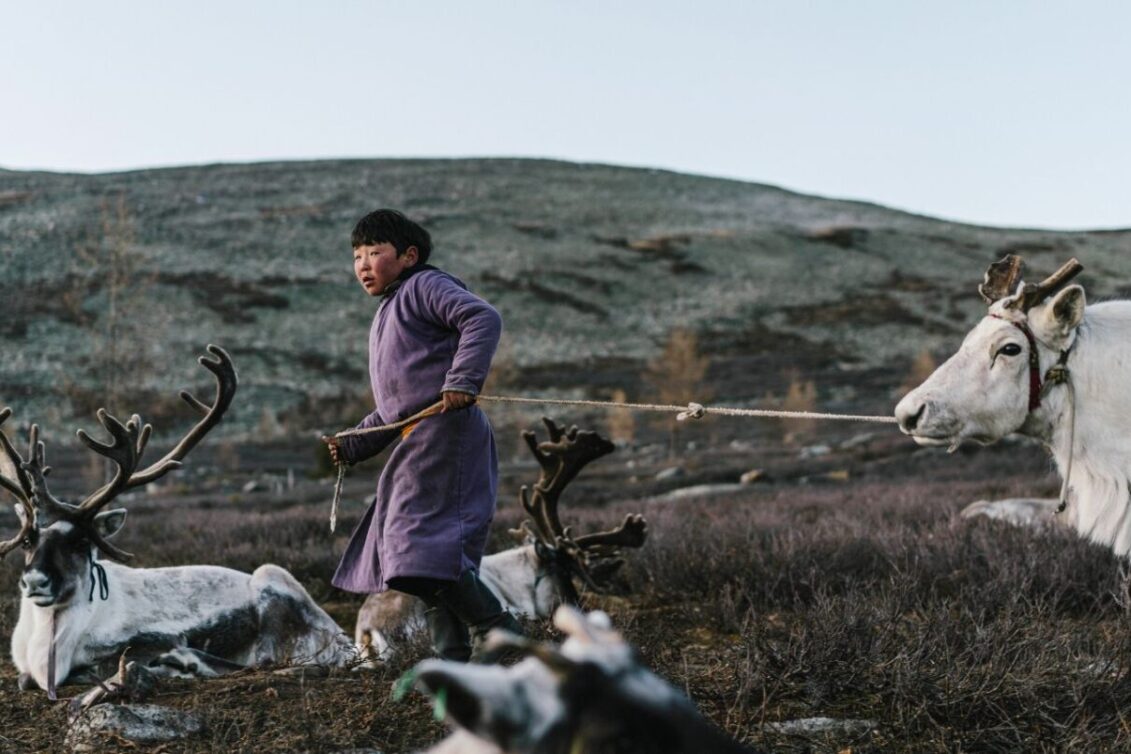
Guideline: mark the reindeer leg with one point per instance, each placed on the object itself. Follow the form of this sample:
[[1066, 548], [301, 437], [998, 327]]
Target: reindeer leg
[[186, 662], [133, 681]]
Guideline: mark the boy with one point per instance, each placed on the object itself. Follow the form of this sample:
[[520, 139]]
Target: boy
[[426, 530]]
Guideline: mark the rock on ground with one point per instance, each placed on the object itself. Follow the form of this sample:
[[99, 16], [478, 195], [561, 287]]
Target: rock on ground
[[143, 724]]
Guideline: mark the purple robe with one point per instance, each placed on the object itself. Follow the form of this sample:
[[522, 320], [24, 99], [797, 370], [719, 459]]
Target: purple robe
[[436, 496]]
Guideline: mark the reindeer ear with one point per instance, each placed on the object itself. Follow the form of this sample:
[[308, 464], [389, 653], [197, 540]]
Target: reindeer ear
[[109, 523], [1057, 318]]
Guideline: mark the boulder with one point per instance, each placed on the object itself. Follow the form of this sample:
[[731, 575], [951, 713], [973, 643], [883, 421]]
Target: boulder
[[141, 724]]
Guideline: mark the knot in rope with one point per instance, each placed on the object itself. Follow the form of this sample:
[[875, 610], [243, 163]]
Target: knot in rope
[[694, 411]]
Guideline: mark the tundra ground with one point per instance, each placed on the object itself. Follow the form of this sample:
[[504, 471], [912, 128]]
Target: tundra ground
[[844, 586]]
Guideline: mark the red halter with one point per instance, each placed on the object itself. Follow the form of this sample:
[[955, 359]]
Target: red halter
[[1057, 372]]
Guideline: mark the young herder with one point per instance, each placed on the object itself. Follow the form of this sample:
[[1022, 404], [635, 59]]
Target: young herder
[[426, 530]]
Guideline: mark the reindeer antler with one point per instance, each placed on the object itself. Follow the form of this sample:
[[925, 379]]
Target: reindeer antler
[[561, 459], [130, 439], [1031, 294], [19, 488], [1002, 277], [128, 442], [592, 557]]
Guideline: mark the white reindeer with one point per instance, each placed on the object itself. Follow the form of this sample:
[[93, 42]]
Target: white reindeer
[[1042, 364], [79, 611], [534, 578], [590, 695]]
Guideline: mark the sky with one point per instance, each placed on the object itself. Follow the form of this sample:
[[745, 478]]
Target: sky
[[995, 112]]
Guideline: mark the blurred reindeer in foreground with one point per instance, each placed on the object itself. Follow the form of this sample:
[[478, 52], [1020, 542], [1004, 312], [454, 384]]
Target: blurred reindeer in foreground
[[591, 695], [79, 610], [532, 579]]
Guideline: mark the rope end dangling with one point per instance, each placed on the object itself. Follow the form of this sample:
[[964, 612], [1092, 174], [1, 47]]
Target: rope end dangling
[[337, 497], [693, 411]]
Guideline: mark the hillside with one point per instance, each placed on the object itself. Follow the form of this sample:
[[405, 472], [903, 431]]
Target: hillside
[[841, 582], [592, 267]]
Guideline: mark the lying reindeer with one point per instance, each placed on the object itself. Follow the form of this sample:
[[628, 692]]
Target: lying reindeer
[[80, 611], [591, 695], [534, 578]]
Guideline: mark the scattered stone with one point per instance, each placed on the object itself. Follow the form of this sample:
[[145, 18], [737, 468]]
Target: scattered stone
[[700, 490], [815, 451], [253, 486], [672, 472], [838, 475], [857, 440], [143, 724], [753, 476], [822, 726], [1018, 511]]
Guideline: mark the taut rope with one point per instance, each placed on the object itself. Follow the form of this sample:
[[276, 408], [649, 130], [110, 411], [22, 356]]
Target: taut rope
[[694, 410], [690, 411]]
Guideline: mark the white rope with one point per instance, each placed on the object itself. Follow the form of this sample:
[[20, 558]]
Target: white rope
[[690, 411], [435, 408], [694, 410], [337, 497], [1071, 444]]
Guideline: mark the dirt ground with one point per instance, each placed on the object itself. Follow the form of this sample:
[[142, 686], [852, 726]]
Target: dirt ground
[[844, 586]]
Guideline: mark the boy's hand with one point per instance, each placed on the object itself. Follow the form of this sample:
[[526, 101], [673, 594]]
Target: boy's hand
[[332, 446], [455, 400]]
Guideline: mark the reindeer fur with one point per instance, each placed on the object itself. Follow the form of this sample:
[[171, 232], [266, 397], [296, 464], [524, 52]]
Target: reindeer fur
[[966, 398], [223, 616]]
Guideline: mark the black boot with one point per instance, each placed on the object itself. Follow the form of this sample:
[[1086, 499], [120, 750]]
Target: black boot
[[478, 608], [449, 635]]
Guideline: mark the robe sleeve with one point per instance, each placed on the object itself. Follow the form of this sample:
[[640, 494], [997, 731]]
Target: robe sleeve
[[356, 448], [450, 305]]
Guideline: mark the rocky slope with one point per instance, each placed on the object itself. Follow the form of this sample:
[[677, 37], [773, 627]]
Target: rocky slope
[[592, 267]]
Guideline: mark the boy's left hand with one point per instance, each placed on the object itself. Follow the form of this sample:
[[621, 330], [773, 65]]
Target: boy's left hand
[[455, 400]]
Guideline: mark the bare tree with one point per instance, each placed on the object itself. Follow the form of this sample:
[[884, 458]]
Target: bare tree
[[676, 375], [113, 297]]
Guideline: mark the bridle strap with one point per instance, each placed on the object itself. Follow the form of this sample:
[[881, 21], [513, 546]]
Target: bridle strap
[[1057, 374]]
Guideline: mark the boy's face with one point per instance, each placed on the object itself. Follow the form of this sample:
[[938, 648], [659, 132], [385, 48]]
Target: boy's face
[[377, 265]]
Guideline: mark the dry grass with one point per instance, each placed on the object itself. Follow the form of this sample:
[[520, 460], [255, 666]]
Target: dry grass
[[866, 599]]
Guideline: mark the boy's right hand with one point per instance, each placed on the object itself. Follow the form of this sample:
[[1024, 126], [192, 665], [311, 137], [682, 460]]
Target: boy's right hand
[[332, 446]]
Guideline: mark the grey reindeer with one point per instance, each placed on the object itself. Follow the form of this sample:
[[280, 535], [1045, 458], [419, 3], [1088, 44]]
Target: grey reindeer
[[589, 696], [81, 606]]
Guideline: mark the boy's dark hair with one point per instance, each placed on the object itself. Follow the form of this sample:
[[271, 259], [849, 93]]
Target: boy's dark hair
[[390, 226]]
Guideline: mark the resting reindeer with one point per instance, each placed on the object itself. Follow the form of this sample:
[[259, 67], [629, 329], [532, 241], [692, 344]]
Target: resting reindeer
[[532, 579], [592, 695], [79, 611], [1042, 364]]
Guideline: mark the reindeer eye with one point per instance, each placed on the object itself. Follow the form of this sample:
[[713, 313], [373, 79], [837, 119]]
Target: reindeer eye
[[1009, 349], [26, 543]]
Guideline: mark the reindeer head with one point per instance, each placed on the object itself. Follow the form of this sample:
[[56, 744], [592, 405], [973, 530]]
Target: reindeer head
[[591, 558], [992, 385], [590, 695], [60, 539]]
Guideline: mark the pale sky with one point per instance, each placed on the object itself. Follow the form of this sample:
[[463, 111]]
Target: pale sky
[[989, 111]]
